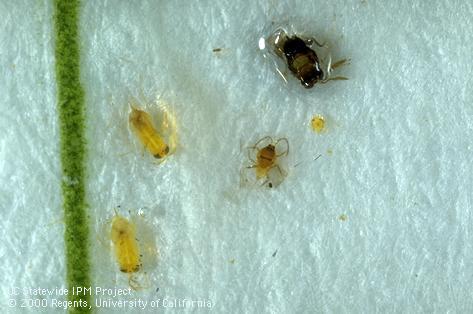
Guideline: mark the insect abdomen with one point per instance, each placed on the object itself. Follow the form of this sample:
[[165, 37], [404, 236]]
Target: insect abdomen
[[148, 135], [126, 245]]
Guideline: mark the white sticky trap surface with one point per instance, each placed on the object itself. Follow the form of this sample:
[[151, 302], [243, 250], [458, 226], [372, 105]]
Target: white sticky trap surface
[[31, 228], [395, 156]]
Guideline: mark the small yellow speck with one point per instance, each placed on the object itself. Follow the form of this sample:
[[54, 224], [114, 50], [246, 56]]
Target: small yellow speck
[[343, 217], [318, 123], [232, 261], [329, 151]]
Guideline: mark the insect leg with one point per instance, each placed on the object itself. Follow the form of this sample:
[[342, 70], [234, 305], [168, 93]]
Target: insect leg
[[261, 140], [287, 147], [145, 148], [250, 150], [283, 173], [275, 181], [244, 175], [133, 283], [264, 183], [282, 75], [339, 63], [331, 66], [336, 78], [312, 40]]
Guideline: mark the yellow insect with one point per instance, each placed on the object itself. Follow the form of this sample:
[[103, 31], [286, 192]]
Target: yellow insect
[[127, 252], [266, 157], [318, 123], [142, 124]]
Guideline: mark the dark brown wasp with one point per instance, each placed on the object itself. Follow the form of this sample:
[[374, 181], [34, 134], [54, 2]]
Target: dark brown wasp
[[302, 60]]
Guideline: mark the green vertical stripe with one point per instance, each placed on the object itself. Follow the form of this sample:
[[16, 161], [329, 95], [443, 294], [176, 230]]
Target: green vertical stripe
[[73, 153]]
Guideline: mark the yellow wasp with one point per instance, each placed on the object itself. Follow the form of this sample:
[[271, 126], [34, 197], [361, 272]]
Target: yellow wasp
[[266, 157], [142, 124], [127, 252]]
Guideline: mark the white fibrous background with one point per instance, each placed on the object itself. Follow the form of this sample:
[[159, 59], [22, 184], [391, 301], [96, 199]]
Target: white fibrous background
[[381, 222]]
